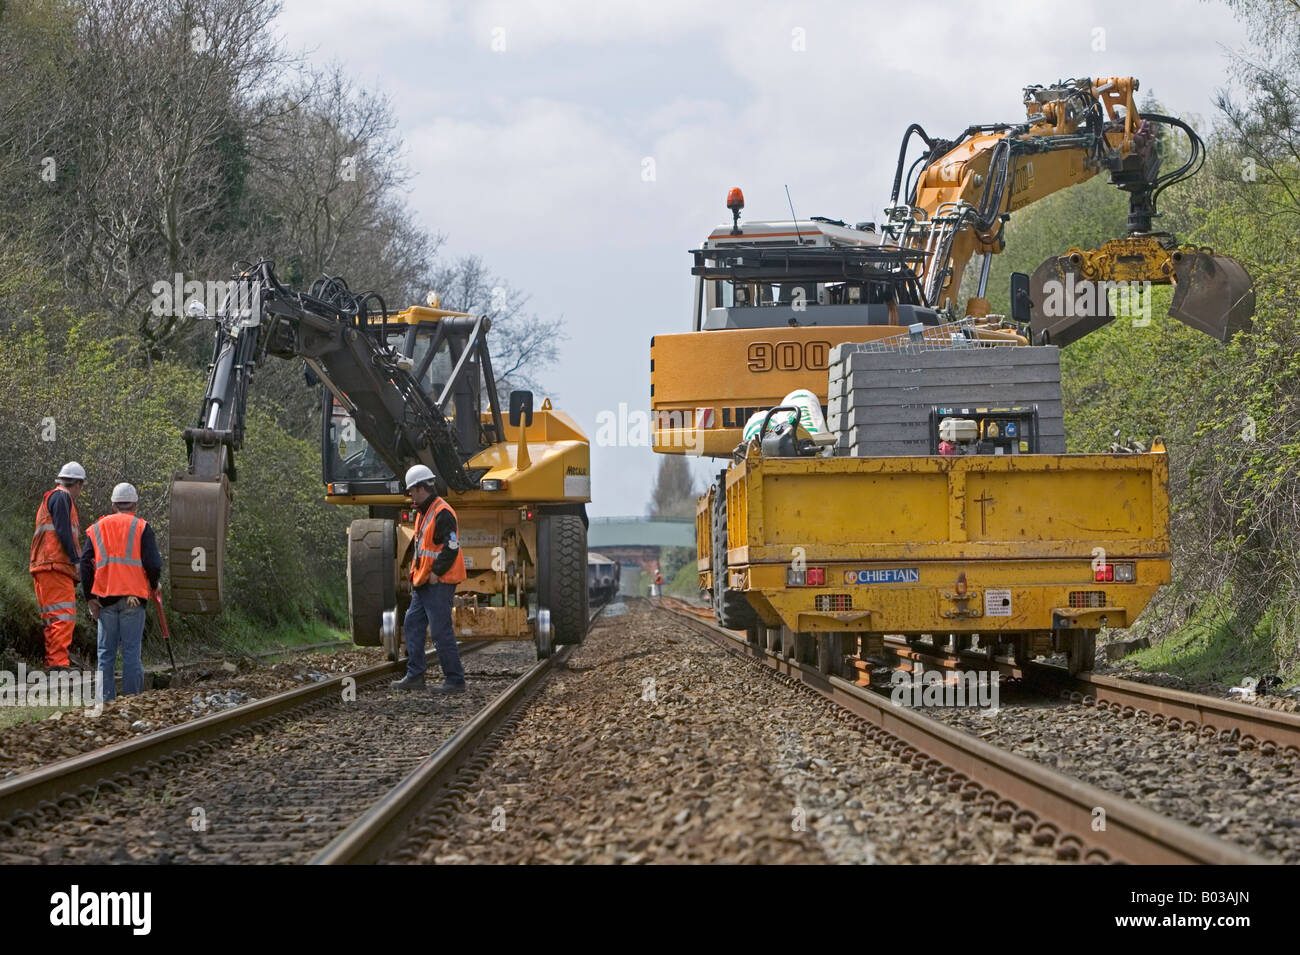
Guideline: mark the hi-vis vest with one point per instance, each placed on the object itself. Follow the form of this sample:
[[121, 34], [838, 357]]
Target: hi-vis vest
[[119, 571], [426, 552], [47, 552]]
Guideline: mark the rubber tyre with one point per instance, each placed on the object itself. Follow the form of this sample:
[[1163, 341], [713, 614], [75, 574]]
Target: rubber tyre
[[562, 575], [372, 578], [730, 608]]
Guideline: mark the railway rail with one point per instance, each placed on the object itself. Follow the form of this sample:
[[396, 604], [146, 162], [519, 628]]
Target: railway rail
[[271, 821], [1059, 810], [385, 824], [1270, 730]]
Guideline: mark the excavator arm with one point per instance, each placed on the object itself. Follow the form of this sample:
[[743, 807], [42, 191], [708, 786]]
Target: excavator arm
[[965, 189], [334, 332]]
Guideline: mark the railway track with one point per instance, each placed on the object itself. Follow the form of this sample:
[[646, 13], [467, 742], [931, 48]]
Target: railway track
[[1060, 810], [270, 781], [446, 773], [1271, 730]]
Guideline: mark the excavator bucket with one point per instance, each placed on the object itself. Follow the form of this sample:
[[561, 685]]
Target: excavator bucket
[[200, 511], [1063, 305], [1212, 293]]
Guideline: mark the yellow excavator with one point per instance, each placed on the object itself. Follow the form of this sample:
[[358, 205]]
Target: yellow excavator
[[980, 525], [399, 388], [822, 282]]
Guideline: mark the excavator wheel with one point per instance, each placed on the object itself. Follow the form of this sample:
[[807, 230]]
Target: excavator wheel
[[372, 583], [730, 608], [200, 512], [562, 575]]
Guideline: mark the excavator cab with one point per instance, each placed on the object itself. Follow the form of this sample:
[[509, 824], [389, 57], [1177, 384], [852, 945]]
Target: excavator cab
[[429, 343]]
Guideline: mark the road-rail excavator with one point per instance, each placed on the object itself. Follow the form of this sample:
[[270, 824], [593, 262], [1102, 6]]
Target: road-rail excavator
[[411, 387], [938, 503]]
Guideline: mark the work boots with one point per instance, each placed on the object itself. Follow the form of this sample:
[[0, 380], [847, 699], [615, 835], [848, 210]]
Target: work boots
[[408, 682], [446, 689]]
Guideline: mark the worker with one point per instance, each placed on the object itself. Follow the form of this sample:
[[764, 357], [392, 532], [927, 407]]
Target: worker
[[53, 563], [437, 565], [120, 567]]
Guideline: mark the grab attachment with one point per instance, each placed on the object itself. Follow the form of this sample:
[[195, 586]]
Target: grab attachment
[[1070, 295]]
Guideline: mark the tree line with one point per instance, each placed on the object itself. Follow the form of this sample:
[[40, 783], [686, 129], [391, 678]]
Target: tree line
[[146, 145]]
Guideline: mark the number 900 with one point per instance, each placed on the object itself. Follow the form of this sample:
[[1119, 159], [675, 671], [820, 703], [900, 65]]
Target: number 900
[[789, 356]]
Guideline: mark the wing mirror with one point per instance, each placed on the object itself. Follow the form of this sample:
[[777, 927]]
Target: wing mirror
[[521, 406]]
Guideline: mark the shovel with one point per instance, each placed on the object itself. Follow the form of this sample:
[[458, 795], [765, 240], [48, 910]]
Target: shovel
[[167, 637]]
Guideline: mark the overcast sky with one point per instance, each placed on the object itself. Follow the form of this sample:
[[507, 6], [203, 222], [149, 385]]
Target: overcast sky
[[528, 127]]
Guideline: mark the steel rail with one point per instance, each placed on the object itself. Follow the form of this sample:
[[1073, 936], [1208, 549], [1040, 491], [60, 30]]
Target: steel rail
[[1178, 709], [67, 780], [384, 824], [1060, 809]]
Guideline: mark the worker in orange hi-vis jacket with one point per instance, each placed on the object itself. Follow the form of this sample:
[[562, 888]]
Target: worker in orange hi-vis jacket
[[120, 567], [437, 566], [56, 550]]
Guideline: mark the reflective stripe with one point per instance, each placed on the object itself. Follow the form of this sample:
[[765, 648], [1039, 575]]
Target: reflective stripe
[[44, 527], [130, 537], [128, 560], [62, 606], [61, 615]]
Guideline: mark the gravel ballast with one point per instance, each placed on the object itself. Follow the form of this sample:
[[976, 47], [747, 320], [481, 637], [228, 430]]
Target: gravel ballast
[[655, 746], [27, 746], [1227, 789]]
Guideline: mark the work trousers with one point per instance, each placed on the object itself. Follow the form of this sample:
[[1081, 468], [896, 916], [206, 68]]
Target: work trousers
[[120, 625], [57, 594], [430, 611]]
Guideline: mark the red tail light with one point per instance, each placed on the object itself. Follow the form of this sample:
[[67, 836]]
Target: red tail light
[[816, 576], [1105, 573]]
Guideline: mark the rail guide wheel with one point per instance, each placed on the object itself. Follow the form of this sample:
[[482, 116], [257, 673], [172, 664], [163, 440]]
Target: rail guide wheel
[[389, 634], [545, 635]]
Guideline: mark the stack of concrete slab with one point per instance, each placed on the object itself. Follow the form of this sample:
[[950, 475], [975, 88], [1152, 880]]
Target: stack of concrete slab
[[879, 401]]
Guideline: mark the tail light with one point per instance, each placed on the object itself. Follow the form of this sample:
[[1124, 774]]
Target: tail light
[[1125, 573], [812, 577]]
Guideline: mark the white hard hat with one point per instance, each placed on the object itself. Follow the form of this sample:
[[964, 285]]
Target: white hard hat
[[417, 474], [72, 471], [125, 494]]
